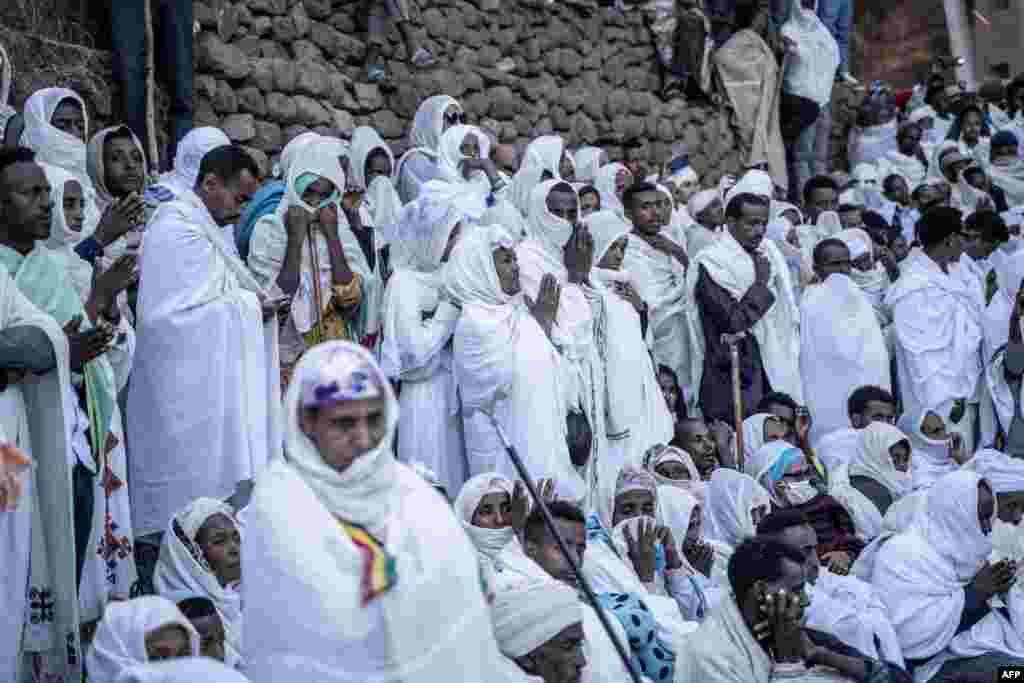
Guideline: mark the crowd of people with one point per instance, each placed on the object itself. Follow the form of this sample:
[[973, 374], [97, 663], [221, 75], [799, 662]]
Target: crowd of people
[[259, 428]]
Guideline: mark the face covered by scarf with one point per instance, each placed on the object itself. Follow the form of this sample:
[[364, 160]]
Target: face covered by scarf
[[452, 155], [771, 466], [930, 456], [120, 640], [488, 542], [328, 374]]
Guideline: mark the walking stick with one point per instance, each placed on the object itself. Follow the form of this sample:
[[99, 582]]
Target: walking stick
[[732, 341], [317, 296], [152, 147], [563, 548]]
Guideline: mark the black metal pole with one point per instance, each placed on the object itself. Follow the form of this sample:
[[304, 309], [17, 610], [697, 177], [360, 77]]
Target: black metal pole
[[562, 546]]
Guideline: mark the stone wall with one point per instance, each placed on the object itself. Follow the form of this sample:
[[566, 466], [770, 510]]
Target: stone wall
[[268, 70]]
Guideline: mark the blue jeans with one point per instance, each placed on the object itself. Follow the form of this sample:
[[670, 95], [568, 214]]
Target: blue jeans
[[837, 15], [810, 155], [172, 33]]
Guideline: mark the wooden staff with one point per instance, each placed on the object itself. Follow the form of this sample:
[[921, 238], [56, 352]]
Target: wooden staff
[[732, 341], [317, 297], [153, 148]]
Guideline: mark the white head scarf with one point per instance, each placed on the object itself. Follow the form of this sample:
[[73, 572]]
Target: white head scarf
[[428, 124], [120, 640], [701, 201], [450, 148], [873, 459], [424, 229], [186, 670], [547, 228], [660, 455], [828, 224], [470, 277], [63, 239], [94, 162], [1003, 473], [731, 496], [543, 154], [290, 152], [530, 614], [604, 181], [753, 436], [950, 524], [606, 227], [856, 240], [675, 510], [757, 183], [182, 570], [189, 155], [488, 542], [361, 494], [929, 457], [365, 141], [587, 161], [52, 145]]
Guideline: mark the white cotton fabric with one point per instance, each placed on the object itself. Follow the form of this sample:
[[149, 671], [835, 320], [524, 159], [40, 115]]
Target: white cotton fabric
[[910, 167], [418, 324], [62, 238], [937, 334], [675, 509], [921, 575], [543, 154], [530, 614], [488, 542], [588, 161], [638, 417], [120, 640], [811, 67], [693, 486], [189, 155], [753, 436], [131, 241], [929, 457], [731, 496], [365, 141], [1010, 179], [424, 143], [205, 292], [841, 348], [185, 670], [504, 362], [181, 570], [451, 156], [778, 330], [1003, 473], [57, 148], [303, 571], [604, 182]]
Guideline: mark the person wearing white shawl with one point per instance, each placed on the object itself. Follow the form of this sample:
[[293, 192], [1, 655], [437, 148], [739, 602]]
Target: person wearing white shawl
[[545, 159], [844, 607], [1008, 275], [1006, 476], [611, 181], [735, 503], [370, 164], [937, 327], [1005, 166], [117, 165], [351, 560], [782, 230], [539, 625], [934, 448], [37, 530], [299, 249], [867, 272], [842, 348], [505, 364], [484, 507], [906, 157], [421, 163], [587, 161], [199, 556], [685, 184], [936, 584], [184, 670], [419, 321], [674, 467], [705, 208], [146, 629], [933, 127], [195, 288], [556, 254], [741, 284], [637, 415], [182, 177]]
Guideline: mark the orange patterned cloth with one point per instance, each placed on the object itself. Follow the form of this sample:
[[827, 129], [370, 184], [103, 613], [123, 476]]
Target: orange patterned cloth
[[343, 298]]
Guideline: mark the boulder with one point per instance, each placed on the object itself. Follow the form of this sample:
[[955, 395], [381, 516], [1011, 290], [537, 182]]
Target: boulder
[[311, 112], [251, 101], [387, 124], [262, 75], [268, 137], [281, 108], [285, 75], [300, 20], [224, 100], [343, 122], [312, 79], [214, 56], [239, 127], [368, 96], [273, 7]]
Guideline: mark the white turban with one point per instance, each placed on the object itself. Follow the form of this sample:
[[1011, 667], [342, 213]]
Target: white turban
[[701, 201], [757, 183], [1005, 474], [488, 542], [530, 614]]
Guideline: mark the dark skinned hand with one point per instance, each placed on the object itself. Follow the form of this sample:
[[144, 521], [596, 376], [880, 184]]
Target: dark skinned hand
[[88, 345], [545, 308]]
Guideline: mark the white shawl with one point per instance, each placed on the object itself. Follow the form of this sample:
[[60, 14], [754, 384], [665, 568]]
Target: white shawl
[[811, 67], [185, 670], [230, 435], [869, 144], [62, 238], [543, 154], [910, 167], [531, 613], [489, 543], [605, 182], [921, 574], [588, 161], [841, 348], [424, 140], [731, 497], [1010, 179], [182, 571], [189, 155], [938, 334], [778, 330], [303, 572], [504, 362]]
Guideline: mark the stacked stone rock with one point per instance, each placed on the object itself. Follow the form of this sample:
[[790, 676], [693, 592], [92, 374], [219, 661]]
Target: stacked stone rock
[[268, 70]]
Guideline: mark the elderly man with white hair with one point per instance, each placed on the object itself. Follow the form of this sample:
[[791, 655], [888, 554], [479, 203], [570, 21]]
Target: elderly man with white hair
[[352, 561], [741, 289]]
